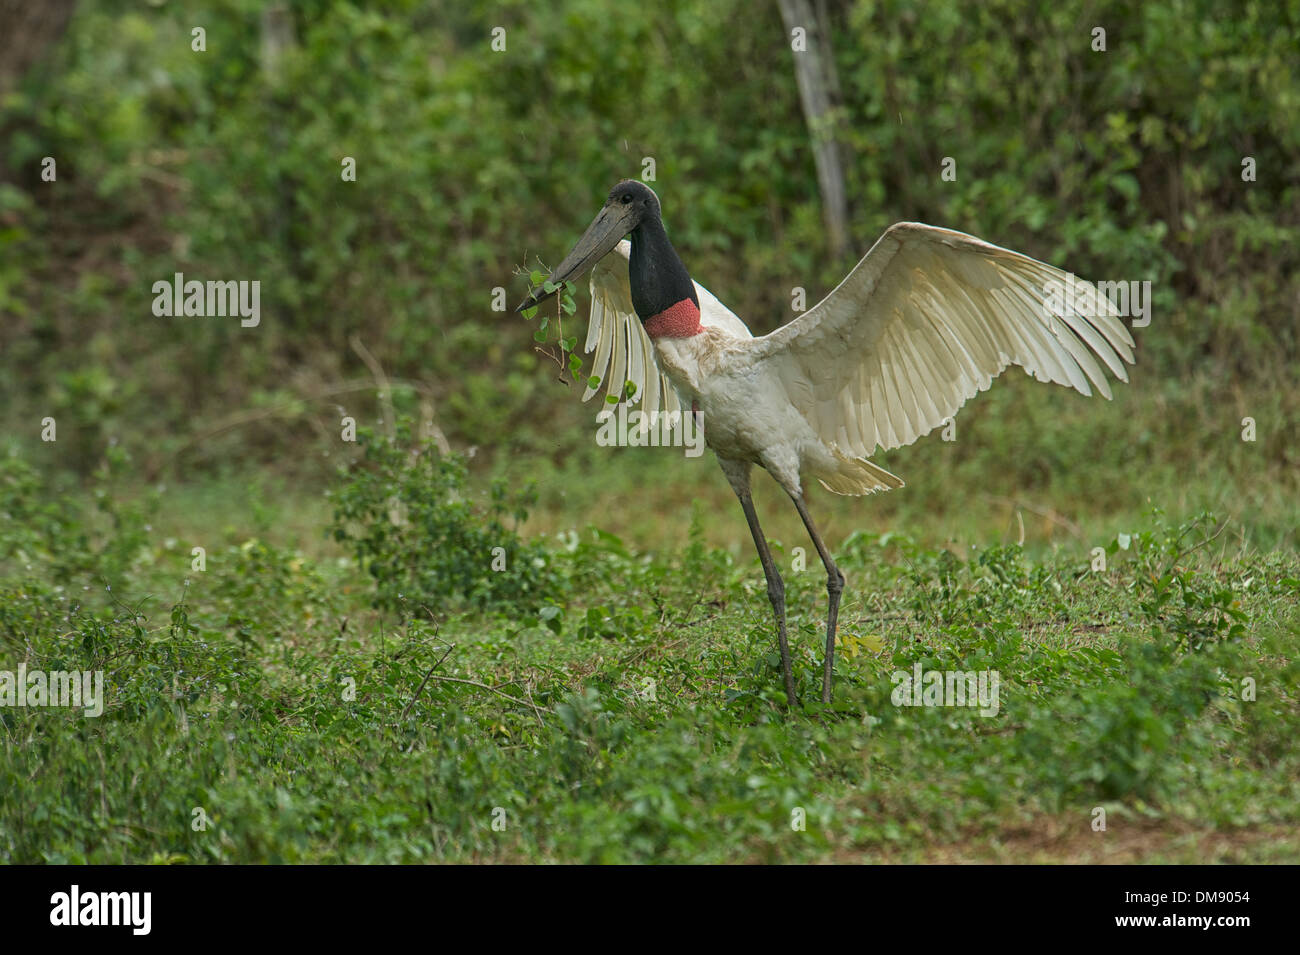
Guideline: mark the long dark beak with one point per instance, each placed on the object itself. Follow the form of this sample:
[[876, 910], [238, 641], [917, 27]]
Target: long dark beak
[[605, 232]]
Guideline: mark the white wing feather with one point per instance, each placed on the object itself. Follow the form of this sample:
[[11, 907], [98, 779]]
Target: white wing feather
[[925, 321]]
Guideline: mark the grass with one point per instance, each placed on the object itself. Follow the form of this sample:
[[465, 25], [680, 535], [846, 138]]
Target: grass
[[264, 709]]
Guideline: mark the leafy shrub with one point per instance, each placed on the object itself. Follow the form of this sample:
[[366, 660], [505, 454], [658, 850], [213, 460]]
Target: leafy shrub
[[32, 526], [403, 511], [1193, 608], [271, 592], [63, 540]]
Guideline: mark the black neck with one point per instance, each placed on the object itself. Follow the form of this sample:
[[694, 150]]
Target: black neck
[[659, 280]]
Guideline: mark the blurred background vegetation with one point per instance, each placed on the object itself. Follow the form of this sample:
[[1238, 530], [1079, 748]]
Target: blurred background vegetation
[[225, 164]]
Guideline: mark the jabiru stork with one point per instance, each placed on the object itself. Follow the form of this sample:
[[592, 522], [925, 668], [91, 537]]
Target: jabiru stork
[[924, 321]]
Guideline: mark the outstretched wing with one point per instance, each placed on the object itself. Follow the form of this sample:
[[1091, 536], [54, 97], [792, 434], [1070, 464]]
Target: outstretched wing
[[623, 349], [925, 321]]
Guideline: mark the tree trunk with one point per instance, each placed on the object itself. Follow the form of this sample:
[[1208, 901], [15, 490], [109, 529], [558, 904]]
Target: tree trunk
[[814, 70]]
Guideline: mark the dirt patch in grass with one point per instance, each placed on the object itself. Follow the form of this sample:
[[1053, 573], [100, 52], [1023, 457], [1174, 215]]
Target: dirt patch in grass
[[1125, 842]]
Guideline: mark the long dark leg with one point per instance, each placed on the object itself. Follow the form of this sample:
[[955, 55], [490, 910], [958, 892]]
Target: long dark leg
[[775, 589], [834, 587]]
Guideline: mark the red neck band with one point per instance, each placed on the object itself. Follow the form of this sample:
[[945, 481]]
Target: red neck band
[[677, 321]]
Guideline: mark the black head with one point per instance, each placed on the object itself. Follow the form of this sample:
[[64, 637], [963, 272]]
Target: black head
[[636, 196], [630, 203]]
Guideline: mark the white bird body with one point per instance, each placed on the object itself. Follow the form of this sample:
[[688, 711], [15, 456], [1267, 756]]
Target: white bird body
[[743, 410], [924, 322]]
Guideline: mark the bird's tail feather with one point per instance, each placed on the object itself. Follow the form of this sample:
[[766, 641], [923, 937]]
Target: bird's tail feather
[[855, 476]]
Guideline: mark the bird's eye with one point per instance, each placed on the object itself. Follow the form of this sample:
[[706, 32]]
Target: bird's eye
[[626, 199]]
